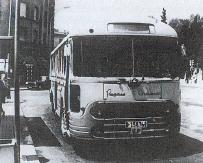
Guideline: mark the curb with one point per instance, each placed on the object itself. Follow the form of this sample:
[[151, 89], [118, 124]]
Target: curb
[[28, 153]]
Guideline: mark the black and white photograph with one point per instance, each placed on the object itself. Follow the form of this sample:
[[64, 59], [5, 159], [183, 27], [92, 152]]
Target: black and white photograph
[[101, 81]]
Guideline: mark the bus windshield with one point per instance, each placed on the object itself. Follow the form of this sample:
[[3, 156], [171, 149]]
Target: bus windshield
[[125, 56]]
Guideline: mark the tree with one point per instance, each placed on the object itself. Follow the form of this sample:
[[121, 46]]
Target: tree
[[195, 40], [190, 34], [163, 16]]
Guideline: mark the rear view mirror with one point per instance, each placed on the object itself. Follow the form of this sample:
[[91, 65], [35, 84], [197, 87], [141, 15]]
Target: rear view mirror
[[183, 50], [184, 63]]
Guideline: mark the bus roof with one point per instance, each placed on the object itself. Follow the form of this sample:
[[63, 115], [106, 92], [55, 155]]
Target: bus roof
[[100, 26], [122, 27]]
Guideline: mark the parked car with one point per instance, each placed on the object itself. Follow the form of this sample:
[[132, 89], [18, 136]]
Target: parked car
[[43, 83]]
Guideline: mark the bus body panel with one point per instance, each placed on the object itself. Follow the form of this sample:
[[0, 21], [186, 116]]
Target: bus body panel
[[83, 123], [168, 90]]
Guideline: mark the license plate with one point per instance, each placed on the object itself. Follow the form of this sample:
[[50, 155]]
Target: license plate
[[136, 124]]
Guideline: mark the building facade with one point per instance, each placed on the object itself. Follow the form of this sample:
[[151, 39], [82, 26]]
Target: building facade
[[4, 27], [36, 35]]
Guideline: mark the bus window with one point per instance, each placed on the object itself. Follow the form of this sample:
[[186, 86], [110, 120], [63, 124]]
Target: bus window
[[102, 57], [113, 56], [56, 63], [156, 59], [52, 65], [61, 61]]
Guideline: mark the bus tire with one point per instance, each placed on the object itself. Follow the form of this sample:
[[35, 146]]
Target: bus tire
[[52, 107], [64, 120], [52, 103]]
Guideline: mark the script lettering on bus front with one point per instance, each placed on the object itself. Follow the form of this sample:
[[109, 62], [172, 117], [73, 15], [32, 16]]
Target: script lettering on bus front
[[150, 89], [114, 94]]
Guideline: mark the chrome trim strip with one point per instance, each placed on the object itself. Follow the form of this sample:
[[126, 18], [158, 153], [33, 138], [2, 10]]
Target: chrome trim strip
[[118, 124], [108, 125], [111, 119], [158, 123], [79, 132], [141, 137], [114, 132], [154, 130], [73, 126], [149, 130]]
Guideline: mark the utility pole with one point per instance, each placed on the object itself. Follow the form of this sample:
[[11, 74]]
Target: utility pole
[[16, 82]]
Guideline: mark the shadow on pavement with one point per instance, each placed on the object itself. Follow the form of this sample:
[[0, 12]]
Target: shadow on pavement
[[7, 127], [43, 160], [139, 152], [40, 133]]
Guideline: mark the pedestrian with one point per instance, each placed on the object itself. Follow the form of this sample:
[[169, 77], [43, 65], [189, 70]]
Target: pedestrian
[[188, 76], [2, 97]]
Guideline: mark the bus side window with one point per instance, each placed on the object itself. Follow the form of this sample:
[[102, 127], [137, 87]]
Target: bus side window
[[56, 63], [61, 61], [64, 64], [52, 65]]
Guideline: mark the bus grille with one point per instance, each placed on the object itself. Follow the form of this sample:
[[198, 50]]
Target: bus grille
[[112, 119]]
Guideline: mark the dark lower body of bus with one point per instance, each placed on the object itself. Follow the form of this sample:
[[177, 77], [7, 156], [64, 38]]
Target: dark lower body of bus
[[139, 120]]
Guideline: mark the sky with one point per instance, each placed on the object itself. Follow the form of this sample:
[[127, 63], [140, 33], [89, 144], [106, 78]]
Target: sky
[[77, 11]]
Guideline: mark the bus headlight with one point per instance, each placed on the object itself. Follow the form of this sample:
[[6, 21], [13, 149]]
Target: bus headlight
[[96, 112]]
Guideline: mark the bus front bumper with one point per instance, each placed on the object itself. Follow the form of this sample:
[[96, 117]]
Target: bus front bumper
[[160, 119]]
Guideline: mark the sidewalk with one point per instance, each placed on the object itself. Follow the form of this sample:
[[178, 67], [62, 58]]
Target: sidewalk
[[7, 132]]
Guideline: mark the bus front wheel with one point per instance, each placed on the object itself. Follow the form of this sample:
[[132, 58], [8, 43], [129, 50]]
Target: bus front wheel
[[52, 103], [64, 121]]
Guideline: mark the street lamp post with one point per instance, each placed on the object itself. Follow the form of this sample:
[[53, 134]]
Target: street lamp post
[[9, 21], [16, 82]]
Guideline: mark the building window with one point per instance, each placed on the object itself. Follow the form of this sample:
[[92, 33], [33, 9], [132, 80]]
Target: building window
[[23, 9], [44, 38], [23, 34], [36, 13], [45, 19], [0, 10], [35, 36]]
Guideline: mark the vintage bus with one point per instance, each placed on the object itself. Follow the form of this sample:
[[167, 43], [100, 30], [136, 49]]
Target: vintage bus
[[118, 81]]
